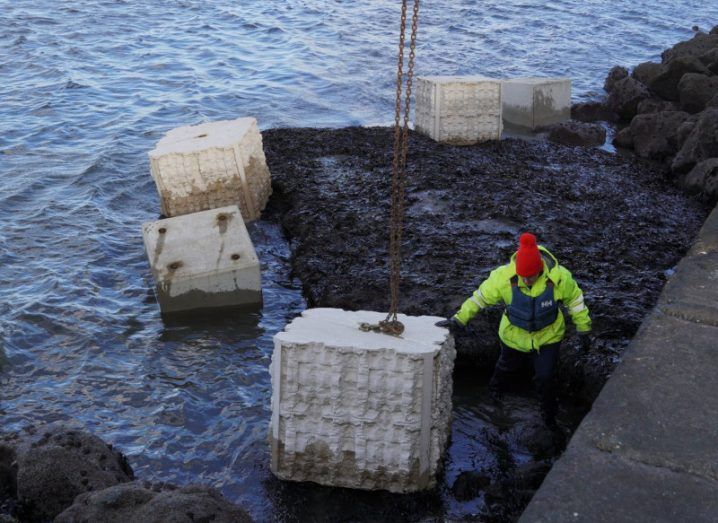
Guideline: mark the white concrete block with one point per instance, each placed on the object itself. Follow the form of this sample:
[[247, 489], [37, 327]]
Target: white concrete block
[[458, 109], [360, 409], [202, 260], [534, 102], [211, 165]]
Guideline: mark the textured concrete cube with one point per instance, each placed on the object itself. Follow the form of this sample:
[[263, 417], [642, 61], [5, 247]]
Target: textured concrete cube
[[212, 165], [459, 110], [203, 260], [360, 409], [530, 103]]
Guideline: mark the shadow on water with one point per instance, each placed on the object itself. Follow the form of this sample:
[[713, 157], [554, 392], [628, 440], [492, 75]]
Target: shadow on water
[[243, 321], [3, 356]]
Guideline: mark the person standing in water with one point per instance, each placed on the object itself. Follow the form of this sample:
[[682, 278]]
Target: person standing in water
[[531, 286]]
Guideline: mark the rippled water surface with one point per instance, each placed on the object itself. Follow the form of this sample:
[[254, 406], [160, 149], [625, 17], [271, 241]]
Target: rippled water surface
[[87, 88]]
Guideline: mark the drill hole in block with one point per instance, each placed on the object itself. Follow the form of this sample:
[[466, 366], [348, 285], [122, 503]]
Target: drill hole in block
[[174, 266]]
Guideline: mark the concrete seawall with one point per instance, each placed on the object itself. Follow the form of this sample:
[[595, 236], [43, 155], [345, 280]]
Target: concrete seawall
[[648, 450]]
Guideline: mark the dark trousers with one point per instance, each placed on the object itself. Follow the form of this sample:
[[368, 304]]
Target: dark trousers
[[543, 361]]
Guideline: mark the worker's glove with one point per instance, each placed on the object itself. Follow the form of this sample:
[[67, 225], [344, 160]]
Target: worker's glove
[[452, 324], [584, 339]]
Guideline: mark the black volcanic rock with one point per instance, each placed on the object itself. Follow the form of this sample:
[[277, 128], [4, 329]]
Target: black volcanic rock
[[696, 90], [655, 134], [577, 134], [656, 105], [701, 144], [665, 83], [624, 138], [703, 178], [699, 45], [614, 75], [625, 97], [57, 464], [710, 57], [134, 502], [684, 130], [592, 112], [646, 72]]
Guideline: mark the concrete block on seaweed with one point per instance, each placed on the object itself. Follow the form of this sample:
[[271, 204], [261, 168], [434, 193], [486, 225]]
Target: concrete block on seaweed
[[459, 110], [531, 103]]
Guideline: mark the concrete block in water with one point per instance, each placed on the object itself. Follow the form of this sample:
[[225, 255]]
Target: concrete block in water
[[360, 409], [212, 165], [203, 260], [530, 103], [458, 109]]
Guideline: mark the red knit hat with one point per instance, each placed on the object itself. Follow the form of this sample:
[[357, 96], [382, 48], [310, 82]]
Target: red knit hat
[[528, 257]]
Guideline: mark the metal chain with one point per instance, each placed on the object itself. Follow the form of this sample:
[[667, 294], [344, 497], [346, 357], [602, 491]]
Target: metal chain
[[391, 325]]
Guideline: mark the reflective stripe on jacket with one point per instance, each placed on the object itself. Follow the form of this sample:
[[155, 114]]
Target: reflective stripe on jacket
[[497, 289]]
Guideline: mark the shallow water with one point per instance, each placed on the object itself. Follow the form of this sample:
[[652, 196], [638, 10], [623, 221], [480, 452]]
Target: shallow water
[[89, 87]]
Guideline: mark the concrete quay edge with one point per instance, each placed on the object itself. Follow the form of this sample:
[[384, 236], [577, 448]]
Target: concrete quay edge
[[648, 449]]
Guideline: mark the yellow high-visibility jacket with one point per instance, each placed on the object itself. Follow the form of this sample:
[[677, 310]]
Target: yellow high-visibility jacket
[[497, 289]]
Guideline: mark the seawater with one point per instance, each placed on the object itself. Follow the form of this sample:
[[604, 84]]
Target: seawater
[[87, 88]]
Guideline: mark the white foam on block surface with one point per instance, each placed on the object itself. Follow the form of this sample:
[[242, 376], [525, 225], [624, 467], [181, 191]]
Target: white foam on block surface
[[211, 165], [535, 102], [458, 109], [360, 409], [203, 260]]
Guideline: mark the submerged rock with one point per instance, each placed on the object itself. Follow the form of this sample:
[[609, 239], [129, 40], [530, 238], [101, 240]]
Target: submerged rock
[[577, 134], [134, 502], [470, 484], [540, 440], [531, 475], [8, 470]]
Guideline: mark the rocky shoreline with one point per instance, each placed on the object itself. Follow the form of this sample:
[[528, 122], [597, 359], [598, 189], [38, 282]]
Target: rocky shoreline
[[619, 223], [57, 473], [668, 112]]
